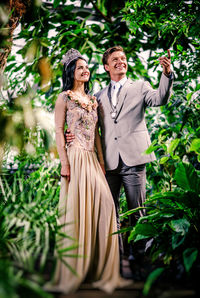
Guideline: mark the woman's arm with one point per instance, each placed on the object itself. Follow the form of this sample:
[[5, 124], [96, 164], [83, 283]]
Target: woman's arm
[[60, 114], [99, 148]]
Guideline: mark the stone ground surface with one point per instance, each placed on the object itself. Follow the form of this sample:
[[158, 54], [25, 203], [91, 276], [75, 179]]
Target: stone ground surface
[[133, 291]]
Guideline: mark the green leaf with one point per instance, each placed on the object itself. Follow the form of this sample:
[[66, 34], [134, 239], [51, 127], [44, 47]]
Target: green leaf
[[174, 143], [189, 257], [146, 229], [45, 42], [10, 66], [189, 95], [151, 279], [56, 3], [69, 23], [139, 237], [187, 178], [177, 240], [129, 212], [180, 226], [151, 148], [165, 198], [164, 159], [71, 247], [179, 47], [197, 106], [175, 157], [124, 230], [79, 30], [96, 28], [195, 146], [92, 45]]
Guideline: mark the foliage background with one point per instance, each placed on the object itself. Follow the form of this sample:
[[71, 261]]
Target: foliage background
[[31, 81]]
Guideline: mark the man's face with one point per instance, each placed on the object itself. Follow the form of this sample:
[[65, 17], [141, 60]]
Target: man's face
[[116, 64]]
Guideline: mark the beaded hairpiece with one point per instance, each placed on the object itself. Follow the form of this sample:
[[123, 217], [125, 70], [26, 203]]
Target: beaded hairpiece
[[71, 55]]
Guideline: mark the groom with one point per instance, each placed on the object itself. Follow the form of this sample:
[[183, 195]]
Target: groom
[[124, 133]]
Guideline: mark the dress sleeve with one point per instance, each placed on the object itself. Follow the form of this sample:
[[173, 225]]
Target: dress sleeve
[[98, 146], [60, 115]]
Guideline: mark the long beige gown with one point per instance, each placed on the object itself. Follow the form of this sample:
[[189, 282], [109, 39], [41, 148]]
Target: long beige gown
[[86, 204]]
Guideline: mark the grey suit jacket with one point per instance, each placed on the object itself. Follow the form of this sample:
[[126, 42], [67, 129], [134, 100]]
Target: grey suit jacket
[[127, 134]]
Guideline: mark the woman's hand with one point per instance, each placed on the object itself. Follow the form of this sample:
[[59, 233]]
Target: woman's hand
[[65, 172], [103, 168]]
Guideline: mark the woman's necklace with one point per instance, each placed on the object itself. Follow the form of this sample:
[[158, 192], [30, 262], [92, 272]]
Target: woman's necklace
[[82, 97], [86, 102]]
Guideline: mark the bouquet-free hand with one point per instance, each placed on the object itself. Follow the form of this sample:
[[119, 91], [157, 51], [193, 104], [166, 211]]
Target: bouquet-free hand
[[65, 172], [166, 63]]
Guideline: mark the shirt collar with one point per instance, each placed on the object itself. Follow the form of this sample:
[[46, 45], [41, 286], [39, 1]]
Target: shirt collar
[[122, 81]]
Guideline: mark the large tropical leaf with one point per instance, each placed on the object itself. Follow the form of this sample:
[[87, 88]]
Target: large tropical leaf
[[180, 226], [189, 257], [187, 177], [151, 279]]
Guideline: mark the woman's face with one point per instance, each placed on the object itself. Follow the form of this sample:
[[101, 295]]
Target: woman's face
[[81, 73]]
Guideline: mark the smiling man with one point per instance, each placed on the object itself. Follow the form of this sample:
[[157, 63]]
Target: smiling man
[[124, 133]]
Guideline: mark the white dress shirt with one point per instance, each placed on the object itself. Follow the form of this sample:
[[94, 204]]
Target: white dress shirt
[[122, 82]]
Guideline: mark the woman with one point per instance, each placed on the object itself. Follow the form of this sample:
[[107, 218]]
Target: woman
[[86, 204]]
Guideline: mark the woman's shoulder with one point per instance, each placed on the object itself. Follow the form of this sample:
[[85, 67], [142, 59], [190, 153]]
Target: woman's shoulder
[[63, 96], [61, 101]]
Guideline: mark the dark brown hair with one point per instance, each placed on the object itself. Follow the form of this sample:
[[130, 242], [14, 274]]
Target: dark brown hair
[[109, 51]]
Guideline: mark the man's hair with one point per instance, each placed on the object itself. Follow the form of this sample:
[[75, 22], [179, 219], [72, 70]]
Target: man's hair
[[109, 51]]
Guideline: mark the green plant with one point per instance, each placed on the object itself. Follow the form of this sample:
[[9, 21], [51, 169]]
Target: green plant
[[28, 228], [175, 131], [171, 226]]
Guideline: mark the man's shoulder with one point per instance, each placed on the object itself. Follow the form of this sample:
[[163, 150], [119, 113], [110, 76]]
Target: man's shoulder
[[135, 81], [101, 91], [134, 84]]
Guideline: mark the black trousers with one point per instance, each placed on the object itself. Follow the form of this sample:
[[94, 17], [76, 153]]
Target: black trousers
[[134, 181]]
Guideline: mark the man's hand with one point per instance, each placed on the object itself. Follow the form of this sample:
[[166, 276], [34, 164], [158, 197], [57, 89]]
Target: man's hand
[[166, 63], [69, 137], [65, 172]]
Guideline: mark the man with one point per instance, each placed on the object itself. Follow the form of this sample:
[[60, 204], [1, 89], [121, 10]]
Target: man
[[124, 133]]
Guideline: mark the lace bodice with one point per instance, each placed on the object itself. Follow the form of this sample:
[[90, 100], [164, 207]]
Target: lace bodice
[[81, 123], [81, 119]]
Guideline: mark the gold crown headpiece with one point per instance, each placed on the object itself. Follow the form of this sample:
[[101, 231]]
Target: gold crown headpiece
[[71, 55]]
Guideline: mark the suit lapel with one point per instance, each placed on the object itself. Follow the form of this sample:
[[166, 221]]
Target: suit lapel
[[122, 95]]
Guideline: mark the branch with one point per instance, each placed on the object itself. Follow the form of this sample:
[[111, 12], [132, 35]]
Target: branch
[[100, 12], [109, 8]]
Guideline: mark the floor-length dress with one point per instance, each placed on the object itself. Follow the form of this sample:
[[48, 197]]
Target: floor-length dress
[[86, 203]]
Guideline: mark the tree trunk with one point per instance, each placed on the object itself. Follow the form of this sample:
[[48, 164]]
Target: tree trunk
[[16, 9]]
